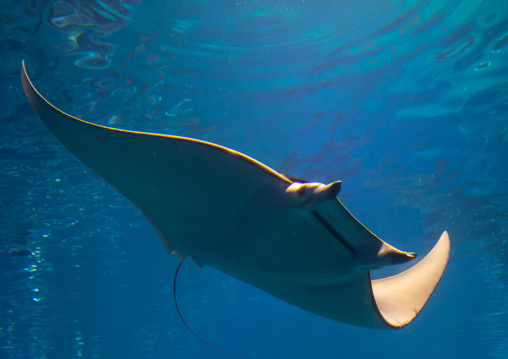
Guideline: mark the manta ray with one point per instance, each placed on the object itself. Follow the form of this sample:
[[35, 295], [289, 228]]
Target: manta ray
[[290, 238]]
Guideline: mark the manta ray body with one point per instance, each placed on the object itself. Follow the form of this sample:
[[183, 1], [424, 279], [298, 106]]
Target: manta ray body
[[292, 239]]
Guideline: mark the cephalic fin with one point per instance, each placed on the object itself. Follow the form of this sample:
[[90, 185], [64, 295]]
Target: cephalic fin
[[392, 255], [387, 255]]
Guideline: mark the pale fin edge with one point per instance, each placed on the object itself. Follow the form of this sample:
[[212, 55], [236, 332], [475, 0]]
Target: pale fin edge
[[400, 298]]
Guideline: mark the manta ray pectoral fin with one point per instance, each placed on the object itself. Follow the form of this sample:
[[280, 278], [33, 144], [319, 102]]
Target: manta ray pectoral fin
[[294, 179], [197, 262], [401, 297]]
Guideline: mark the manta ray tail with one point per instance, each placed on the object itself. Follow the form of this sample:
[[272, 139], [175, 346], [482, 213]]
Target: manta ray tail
[[183, 320]]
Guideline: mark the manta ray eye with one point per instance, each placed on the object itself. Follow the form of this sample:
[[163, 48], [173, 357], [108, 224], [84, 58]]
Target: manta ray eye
[[301, 190]]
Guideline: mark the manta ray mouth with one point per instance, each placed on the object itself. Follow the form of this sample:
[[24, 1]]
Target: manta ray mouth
[[334, 232]]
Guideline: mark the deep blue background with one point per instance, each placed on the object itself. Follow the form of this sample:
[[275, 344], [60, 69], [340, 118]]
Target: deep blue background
[[405, 101]]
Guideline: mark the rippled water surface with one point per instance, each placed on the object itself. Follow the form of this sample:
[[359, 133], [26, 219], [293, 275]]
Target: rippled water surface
[[405, 101]]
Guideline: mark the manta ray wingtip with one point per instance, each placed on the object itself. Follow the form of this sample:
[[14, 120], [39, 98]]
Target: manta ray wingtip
[[401, 297]]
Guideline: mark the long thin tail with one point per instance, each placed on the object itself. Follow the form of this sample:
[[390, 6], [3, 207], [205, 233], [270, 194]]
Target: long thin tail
[[183, 320]]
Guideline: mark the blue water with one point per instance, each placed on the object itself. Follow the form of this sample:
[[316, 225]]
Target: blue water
[[405, 101]]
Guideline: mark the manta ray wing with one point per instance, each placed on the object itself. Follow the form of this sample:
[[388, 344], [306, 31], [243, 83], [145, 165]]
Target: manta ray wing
[[229, 211]]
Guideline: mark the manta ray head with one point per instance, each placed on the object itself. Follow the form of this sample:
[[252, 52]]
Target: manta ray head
[[312, 195]]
